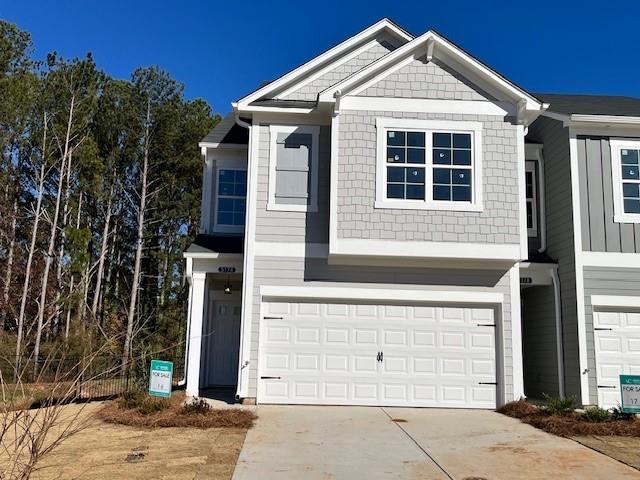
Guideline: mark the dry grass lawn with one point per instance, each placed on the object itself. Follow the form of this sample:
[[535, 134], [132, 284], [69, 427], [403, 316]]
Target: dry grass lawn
[[623, 449], [107, 451]]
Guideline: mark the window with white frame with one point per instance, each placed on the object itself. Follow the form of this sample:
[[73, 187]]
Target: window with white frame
[[532, 198], [293, 168], [231, 193], [625, 170], [425, 164]]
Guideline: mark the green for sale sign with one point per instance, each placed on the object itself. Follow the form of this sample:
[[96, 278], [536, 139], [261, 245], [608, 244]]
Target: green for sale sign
[[630, 389], [160, 378]]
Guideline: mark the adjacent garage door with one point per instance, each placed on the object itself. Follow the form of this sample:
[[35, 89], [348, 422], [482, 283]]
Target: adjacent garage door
[[617, 341], [365, 354]]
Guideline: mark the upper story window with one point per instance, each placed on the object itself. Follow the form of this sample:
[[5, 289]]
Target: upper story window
[[230, 196], [293, 168], [532, 199], [424, 164], [625, 163]]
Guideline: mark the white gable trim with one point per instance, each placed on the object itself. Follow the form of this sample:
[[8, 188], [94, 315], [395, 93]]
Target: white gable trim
[[375, 29], [425, 105], [442, 48]]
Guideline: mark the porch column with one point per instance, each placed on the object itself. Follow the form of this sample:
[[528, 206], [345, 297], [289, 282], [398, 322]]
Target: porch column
[[196, 314]]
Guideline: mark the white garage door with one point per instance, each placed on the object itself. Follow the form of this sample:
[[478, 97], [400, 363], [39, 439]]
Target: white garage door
[[617, 340], [360, 354]]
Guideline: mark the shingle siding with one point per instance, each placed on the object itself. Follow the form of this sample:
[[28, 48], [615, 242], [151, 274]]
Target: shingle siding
[[559, 217], [422, 79], [357, 217], [310, 90]]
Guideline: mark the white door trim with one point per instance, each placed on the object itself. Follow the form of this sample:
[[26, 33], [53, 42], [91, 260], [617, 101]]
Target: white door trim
[[622, 301]]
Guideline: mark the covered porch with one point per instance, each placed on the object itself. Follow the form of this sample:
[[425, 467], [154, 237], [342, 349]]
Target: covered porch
[[214, 271]]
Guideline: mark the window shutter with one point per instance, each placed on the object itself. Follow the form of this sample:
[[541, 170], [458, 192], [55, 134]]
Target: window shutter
[[293, 166]]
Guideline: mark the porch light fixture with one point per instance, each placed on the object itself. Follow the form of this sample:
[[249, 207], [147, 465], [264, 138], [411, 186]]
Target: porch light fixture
[[227, 287]]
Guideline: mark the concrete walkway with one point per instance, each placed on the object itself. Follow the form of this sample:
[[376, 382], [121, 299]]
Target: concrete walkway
[[295, 442]]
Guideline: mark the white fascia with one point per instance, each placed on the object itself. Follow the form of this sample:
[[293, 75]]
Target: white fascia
[[244, 357], [370, 32], [579, 271]]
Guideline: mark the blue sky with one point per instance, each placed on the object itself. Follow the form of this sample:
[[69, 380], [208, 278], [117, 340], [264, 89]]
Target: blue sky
[[221, 50]]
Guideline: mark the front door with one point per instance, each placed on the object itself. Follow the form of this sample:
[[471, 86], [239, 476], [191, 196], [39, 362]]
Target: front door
[[222, 343]]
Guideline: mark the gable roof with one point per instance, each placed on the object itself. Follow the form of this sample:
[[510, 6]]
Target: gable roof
[[591, 104], [433, 44], [384, 25], [226, 133]]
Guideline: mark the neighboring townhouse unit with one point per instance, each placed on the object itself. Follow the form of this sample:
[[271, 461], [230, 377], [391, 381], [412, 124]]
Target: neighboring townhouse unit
[[376, 231]]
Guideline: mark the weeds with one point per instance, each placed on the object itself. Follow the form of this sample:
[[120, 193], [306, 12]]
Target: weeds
[[559, 405], [596, 414], [196, 407], [618, 414]]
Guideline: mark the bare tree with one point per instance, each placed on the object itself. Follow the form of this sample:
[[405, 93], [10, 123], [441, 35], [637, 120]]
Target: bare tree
[[104, 247]]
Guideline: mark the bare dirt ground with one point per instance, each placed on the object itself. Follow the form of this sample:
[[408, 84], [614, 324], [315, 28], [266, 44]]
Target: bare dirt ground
[[105, 451], [623, 449]]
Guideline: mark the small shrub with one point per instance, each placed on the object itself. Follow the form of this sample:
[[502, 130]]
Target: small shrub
[[559, 405], [618, 414], [196, 407], [596, 414], [144, 404]]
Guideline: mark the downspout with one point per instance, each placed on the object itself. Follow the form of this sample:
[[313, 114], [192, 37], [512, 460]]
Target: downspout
[[243, 124], [543, 211], [559, 337]]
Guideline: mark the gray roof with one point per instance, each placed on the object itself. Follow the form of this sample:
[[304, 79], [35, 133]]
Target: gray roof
[[276, 102], [591, 104], [228, 131]]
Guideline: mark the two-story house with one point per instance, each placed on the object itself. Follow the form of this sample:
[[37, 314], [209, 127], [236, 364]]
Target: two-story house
[[395, 223]]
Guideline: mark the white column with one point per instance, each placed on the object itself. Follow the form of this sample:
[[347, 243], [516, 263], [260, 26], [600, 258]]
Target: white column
[[196, 314], [516, 334]]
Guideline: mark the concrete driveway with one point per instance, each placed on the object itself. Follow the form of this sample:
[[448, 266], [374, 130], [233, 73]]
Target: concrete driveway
[[296, 442]]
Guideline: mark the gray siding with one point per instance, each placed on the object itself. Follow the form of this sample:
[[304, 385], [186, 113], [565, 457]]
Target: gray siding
[[422, 79], [559, 216], [310, 91], [278, 226], [539, 342], [317, 272], [604, 281], [599, 232], [357, 217]]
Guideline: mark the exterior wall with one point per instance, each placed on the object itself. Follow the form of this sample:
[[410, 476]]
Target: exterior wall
[[604, 281], [540, 354], [422, 79], [599, 232], [310, 91], [357, 218], [560, 246], [281, 226], [291, 271]]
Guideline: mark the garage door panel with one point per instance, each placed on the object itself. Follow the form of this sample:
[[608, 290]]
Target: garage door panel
[[617, 349], [328, 354]]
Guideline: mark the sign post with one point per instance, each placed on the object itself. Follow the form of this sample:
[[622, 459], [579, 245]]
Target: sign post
[[630, 389], [160, 378]]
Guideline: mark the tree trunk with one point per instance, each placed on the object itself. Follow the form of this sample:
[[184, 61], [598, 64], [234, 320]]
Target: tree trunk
[[103, 255], [52, 239], [68, 320], [59, 272], [9, 271], [32, 248], [126, 354]]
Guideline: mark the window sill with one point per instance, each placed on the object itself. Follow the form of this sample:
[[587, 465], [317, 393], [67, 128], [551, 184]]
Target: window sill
[[627, 218], [278, 207], [419, 205]]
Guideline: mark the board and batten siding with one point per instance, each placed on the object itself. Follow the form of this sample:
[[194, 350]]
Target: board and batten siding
[[284, 226], [560, 241], [357, 218], [604, 281], [290, 271], [599, 232], [540, 355]]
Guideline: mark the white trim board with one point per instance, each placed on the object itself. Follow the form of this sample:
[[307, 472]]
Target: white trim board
[[292, 249], [423, 105], [516, 333], [621, 301], [382, 294], [611, 259], [425, 250], [370, 32]]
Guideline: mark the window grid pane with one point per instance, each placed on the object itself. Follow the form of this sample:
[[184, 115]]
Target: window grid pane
[[454, 150], [405, 165], [629, 159], [232, 190]]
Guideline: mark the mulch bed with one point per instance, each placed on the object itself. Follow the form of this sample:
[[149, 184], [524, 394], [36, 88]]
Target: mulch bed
[[568, 424], [173, 414]]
